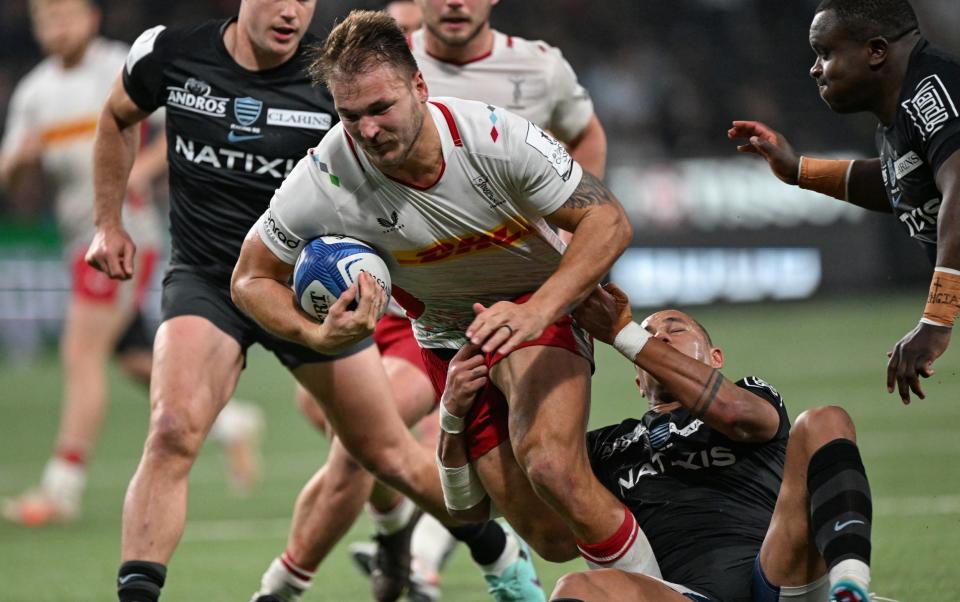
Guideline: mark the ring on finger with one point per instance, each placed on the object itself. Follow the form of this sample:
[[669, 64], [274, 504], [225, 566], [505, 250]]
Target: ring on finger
[[508, 327]]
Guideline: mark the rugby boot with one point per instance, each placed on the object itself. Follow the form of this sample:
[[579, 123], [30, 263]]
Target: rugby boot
[[848, 590], [390, 573], [518, 582]]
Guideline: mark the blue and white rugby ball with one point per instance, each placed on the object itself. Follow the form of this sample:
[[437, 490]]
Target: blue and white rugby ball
[[328, 265]]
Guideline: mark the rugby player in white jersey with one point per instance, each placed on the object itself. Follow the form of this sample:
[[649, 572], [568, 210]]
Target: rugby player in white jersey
[[461, 55], [473, 188], [51, 122]]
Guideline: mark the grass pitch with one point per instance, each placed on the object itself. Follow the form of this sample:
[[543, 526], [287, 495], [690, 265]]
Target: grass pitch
[[824, 352]]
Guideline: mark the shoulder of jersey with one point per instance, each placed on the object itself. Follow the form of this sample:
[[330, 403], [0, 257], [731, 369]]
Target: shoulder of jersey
[[172, 40], [532, 49], [482, 128], [757, 383]]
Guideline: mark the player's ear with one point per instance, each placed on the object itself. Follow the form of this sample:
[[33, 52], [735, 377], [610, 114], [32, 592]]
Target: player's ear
[[716, 357], [420, 87], [877, 52]]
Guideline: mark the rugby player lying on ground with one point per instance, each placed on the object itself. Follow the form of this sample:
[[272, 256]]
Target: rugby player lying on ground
[[731, 509]]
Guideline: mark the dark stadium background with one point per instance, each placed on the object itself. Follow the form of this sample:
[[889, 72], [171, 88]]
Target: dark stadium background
[[804, 291]]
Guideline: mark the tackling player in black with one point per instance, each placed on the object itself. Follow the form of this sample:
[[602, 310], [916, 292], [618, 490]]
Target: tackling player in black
[[872, 57], [240, 112], [732, 510]]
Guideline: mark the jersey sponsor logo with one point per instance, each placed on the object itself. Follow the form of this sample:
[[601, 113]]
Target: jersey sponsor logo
[[931, 106], [758, 383], [717, 456], [299, 119], [194, 96], [142, 46], [391, 223], [505, 235], [907, 164], [234, 137], [277, 233], [225, 158], [554, 152], [483, 185], [921, 222]]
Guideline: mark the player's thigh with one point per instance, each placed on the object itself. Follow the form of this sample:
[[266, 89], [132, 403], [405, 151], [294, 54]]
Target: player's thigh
[[615, 585], [511, 494], [548, 393], [411, 387], [357, 400], [789, 555], [195, 370]]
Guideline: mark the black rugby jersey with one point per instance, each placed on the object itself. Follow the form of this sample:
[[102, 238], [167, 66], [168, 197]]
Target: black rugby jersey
[[233, 134], [703, 500], [924, 133]]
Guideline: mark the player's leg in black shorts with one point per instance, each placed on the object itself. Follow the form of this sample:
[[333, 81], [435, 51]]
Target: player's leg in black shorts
[[189, 292], [137, 337]]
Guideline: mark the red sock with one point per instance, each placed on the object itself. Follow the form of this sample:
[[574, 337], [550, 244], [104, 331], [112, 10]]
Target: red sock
[[296, 569], [72, 455], [614, 547]]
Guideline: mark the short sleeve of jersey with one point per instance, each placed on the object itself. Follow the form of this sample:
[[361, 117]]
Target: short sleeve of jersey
[[543, 172], [298, 212], [143, 69], [934, 109], [573, 107], [19, 120], [765, 390]]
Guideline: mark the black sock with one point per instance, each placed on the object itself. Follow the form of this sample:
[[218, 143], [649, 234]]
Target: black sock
[[840, 505], [140, 581], [485, 540]]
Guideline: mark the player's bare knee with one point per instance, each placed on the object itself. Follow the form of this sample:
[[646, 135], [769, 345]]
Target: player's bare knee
[[173, 435], [549, 470], [818, 426], [573, 585], [552, 546]]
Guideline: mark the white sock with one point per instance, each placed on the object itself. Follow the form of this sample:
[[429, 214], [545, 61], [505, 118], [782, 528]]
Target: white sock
[[280, 580], [64, 482], [853, 569], [638, 557], [393, 520], [509, 555], [430, 546], [237, 420]]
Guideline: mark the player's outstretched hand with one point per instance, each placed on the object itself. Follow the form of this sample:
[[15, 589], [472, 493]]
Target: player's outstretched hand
[[771, 145], [466, 374], [112, 252], [504, 325], [913, 357], [604, 313], [343, 326]]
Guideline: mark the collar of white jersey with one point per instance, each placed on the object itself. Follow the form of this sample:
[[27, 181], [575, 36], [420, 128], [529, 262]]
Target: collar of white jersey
[[450, 139], [500, 41]]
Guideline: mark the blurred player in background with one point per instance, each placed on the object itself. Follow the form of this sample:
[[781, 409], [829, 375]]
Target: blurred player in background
[[461, 55], [732, 509], [871, 57], [455, 173], [51, 123]]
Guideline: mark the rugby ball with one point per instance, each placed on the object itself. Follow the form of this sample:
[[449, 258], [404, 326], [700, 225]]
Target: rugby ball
[[328, 265]]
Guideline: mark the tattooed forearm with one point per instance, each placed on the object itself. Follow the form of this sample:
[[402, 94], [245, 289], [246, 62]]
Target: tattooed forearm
[[709, 393], [590, 191]]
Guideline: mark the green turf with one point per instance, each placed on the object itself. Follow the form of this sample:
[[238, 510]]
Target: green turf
[[814, 353]]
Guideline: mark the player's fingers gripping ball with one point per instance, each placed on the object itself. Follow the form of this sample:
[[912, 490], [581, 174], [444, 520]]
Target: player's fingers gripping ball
[[328, 266]]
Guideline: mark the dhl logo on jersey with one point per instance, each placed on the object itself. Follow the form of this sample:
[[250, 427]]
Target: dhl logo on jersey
[[504, 235]]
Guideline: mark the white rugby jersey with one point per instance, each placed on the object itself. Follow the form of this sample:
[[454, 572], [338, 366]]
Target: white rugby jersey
[[529, 78], [476, 235], [62, 107]]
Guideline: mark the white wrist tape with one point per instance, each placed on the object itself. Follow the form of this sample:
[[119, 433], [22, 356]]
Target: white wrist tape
[[630, 340], [462, 489], [450, 423]]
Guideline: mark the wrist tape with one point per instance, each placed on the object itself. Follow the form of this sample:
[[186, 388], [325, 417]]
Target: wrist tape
[[826, 176], [943, 302], [462, 489], [630, 340]]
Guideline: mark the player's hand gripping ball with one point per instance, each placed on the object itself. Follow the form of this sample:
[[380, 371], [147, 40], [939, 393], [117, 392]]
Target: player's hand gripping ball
[[328, 266]]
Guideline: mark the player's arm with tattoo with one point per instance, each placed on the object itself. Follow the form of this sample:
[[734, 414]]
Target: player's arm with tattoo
[[697, 386], [601, 232]]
